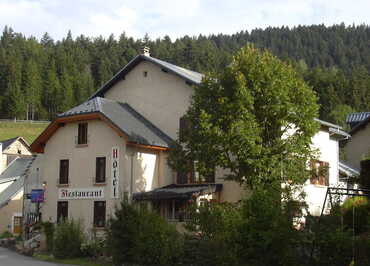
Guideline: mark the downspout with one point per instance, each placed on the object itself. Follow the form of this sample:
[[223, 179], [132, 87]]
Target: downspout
[[159, 168], [24, 221], [132, 176]]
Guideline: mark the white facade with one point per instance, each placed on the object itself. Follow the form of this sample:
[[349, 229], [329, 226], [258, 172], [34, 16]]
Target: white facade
[[327, 146]]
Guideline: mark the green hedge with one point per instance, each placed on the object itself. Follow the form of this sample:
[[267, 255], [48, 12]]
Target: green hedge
[[136, 235]]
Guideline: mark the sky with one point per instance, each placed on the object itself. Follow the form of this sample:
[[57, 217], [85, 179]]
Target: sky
[[175, 18]]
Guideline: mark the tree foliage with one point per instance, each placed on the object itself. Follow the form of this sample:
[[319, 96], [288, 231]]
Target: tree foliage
[[255, 119]]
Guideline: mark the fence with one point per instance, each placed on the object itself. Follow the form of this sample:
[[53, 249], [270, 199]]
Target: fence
[[25, 121]]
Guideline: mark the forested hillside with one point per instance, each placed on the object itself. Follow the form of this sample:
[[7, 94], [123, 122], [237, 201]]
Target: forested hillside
[[39, 78]]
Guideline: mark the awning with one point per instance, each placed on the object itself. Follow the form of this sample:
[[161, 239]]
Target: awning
[[178, 192]]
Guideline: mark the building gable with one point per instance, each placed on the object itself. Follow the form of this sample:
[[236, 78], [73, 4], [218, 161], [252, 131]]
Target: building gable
[[189, 76], [17, 145], [121, 117], [161, 97]]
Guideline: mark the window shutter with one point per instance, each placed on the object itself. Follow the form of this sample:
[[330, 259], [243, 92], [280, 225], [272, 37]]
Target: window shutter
[[320, 173]]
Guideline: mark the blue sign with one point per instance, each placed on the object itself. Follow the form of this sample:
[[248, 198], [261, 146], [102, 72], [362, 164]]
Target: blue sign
[[37, 195]]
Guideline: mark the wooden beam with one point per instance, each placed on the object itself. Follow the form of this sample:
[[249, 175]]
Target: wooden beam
[[152, 147]]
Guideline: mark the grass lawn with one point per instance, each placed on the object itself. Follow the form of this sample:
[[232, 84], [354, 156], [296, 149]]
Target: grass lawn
[[29, 131], [78, 261]]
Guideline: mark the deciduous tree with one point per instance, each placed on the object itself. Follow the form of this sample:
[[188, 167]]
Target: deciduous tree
[[255, 120]]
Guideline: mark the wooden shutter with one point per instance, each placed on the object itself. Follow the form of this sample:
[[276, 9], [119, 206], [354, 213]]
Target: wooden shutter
[[63, 171], [100, 169], [320, 174], [62, 210], [99, 213]]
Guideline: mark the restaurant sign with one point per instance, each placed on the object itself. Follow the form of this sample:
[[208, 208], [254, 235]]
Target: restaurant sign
[[80, 193]]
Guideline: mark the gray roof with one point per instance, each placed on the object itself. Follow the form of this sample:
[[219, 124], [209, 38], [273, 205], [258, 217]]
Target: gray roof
[[187, 74], [328, 124], [333, 128], [6, 143], [175, 191], [348, 170], [357, 117], [190, 76], [16, 168], [358, 121], [16, 172], [129, 121], [12, 190]]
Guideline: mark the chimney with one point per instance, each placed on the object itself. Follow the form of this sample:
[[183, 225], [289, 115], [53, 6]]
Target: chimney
[[146, 51]]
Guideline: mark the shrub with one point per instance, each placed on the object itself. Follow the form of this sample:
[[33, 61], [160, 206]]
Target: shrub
[[267, 228], [68, 238], [49, 234], [6, 234], [361, 208], [335, 243], [214, 225], [136, 235], [95, 246], [259, 231]]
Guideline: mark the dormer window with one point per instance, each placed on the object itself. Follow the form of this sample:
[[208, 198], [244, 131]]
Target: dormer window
[[82, 133]]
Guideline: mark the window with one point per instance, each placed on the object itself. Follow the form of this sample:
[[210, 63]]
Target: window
[[174, 210], [145, 74], [82, 133], [62, 210], [63, 171], [100, 170], [319, 173], [99, 213], [193, 176]]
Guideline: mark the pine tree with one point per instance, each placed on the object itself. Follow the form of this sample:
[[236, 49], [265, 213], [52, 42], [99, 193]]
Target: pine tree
[[32, 88]]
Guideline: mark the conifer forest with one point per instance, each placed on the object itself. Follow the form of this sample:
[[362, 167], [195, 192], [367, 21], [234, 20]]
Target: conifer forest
[[40, 78]]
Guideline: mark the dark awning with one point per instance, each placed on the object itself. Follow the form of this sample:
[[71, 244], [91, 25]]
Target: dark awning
[[178, 192]]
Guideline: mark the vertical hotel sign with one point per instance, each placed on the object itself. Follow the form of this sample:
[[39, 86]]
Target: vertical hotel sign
[[115, 173]]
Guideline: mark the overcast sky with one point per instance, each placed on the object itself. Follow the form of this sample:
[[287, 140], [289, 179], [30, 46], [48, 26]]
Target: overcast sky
[[175, 18]]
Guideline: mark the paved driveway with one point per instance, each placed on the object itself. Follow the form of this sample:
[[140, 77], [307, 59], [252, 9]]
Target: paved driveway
[[10, 258]]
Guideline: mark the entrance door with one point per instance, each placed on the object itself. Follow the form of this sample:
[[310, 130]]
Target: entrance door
[[17, 225]]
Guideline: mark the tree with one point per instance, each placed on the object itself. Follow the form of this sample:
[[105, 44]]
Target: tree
[[255, 120], [339, 113]]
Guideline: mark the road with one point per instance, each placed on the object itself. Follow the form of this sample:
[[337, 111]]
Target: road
[[11, 258]]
